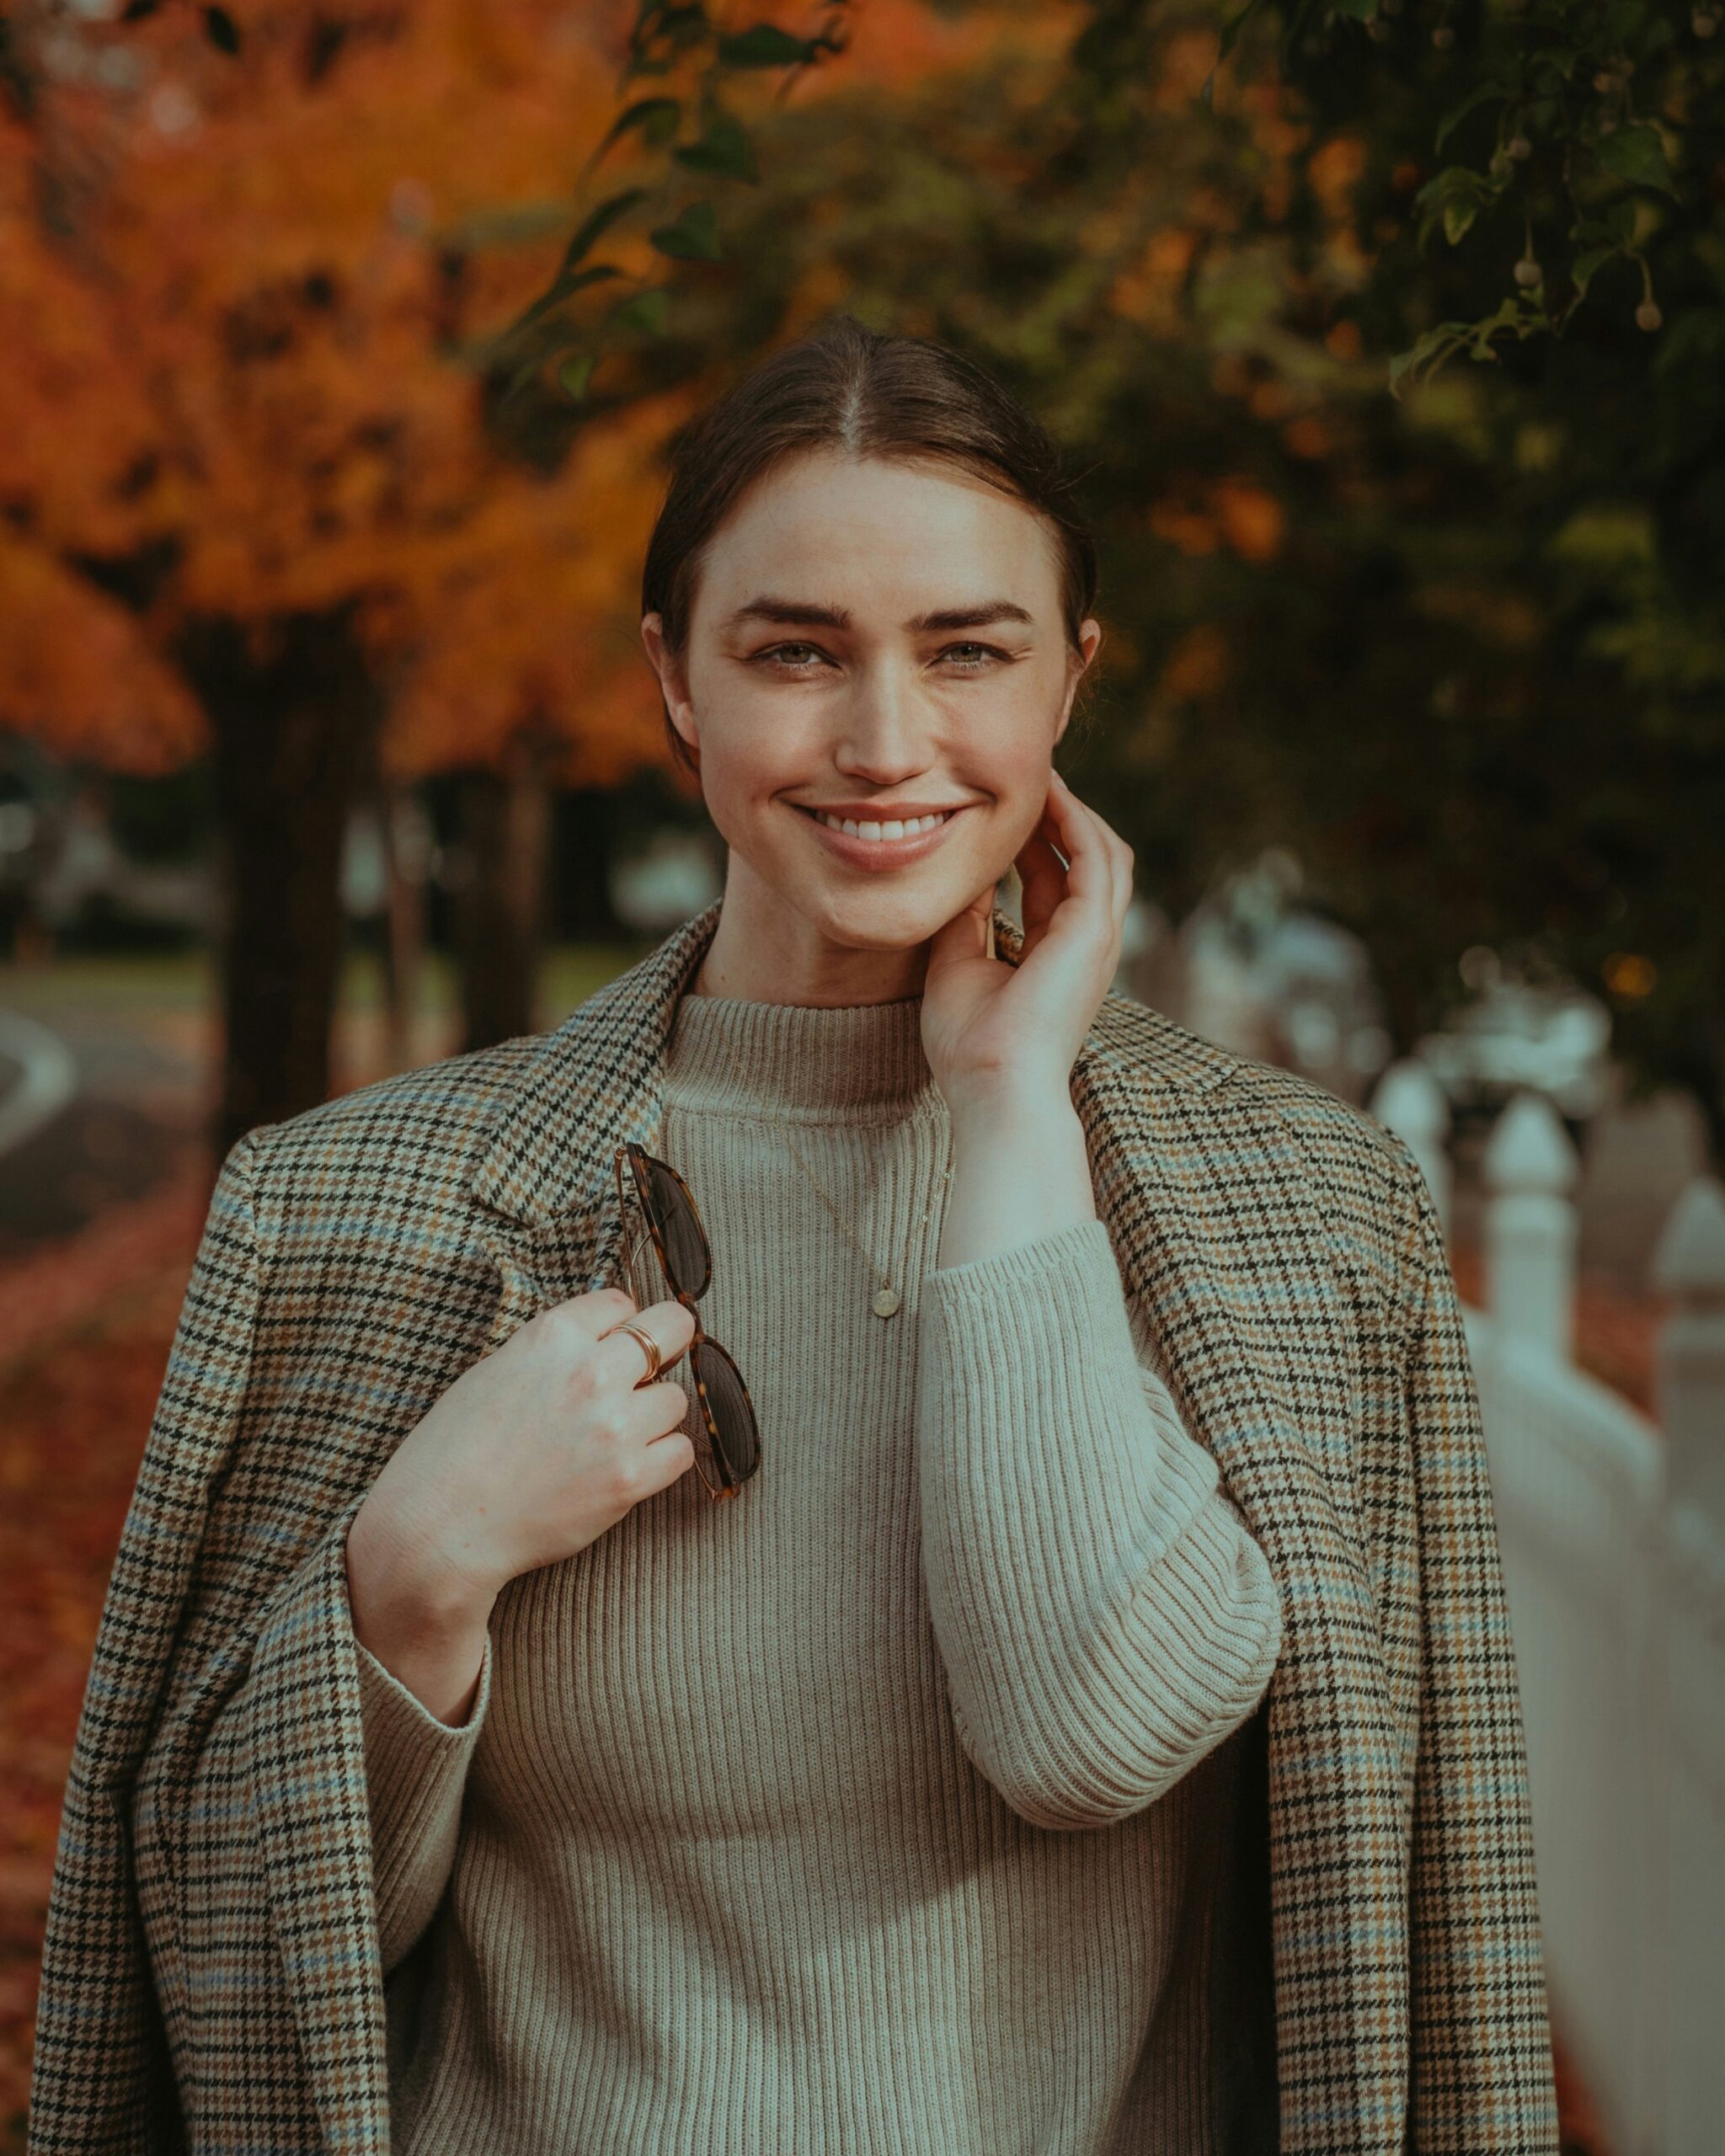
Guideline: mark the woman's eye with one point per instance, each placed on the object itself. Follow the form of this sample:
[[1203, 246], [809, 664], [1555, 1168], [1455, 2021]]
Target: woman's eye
[[775, 653], [795, 658]]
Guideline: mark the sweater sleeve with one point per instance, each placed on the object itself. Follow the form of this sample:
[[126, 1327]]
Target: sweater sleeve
[[416, 1771], [1104, 1617]]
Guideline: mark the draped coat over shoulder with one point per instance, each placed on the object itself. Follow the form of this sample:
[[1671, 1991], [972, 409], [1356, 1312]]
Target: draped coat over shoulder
[[211, 1978]]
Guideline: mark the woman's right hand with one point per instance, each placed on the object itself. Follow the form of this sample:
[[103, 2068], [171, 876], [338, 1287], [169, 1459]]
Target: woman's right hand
[[529, 1456]]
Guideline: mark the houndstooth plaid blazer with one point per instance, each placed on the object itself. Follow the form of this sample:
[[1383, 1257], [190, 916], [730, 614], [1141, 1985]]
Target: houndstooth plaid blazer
[[211, 1977]]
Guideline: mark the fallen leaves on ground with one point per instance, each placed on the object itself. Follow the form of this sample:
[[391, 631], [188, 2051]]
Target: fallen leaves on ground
[[76, 1415]]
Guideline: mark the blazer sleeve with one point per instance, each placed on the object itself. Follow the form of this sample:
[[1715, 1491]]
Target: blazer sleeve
[[1482, 2072], [102, 2080], [163, 2013]]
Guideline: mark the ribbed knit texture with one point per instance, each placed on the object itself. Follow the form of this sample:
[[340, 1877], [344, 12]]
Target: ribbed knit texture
[[885, 1810]]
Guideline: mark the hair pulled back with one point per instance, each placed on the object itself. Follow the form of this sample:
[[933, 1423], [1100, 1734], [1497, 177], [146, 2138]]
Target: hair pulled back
[[869, 393]]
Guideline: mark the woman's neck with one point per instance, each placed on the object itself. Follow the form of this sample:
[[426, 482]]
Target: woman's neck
[[764, 951]]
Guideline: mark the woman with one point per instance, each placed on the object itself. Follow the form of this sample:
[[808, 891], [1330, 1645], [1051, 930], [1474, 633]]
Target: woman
[[458, 1769]]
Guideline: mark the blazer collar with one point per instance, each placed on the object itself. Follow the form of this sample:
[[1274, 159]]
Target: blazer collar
[[594, 1080]]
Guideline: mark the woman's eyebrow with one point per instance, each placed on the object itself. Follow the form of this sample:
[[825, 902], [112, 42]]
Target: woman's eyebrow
[[795, 613]]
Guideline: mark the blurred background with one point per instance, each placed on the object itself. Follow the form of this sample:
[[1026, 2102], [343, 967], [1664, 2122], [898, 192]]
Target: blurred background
[[341, 344]]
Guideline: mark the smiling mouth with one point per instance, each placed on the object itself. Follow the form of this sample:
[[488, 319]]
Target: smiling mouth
[[880, 832]]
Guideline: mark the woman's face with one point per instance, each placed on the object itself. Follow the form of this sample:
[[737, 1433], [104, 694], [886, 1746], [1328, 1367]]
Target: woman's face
[[877, 640]]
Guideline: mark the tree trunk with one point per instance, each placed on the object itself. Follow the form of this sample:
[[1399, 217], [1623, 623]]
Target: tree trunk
[[505, 825], [292, 733], [586, 836], [405, 853], [404, 842]]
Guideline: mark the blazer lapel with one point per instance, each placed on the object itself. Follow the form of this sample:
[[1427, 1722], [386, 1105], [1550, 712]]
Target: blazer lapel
[[545, 1185]]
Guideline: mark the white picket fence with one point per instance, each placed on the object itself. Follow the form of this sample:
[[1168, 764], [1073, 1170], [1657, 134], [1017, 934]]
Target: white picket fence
[[1613, 1537]]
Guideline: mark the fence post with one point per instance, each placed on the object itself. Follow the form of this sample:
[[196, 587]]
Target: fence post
[[1410, 1101], [1689, 1265], [1531, 1168], [1683, 2065]]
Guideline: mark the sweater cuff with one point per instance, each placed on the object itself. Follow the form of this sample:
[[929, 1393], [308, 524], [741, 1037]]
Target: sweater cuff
[[416, 1772], [407, 1732]]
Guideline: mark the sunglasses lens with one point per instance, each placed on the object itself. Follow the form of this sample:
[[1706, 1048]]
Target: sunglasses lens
[[685, 1245], [738, 1436]]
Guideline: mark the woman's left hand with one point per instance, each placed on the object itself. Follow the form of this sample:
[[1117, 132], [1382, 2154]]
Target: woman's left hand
[[990, 1029]]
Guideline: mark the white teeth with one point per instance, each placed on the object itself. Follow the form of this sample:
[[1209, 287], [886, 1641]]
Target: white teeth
[[898, 828]]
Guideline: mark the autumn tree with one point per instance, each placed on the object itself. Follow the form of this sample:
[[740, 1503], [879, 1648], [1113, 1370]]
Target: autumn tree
[[274, 310], [1443, 626]]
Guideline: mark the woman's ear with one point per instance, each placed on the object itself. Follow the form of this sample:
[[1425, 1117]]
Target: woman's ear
[[1079, 664], [673, 685]]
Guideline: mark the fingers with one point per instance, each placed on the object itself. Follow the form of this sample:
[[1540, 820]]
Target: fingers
[[1102, 861], [672, 1326], [1073, 855], [1042, 875], [970, 934], [662, 1462], [597, 1311]]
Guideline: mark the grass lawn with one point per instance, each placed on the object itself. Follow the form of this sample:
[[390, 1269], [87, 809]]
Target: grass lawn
[[186, 980]]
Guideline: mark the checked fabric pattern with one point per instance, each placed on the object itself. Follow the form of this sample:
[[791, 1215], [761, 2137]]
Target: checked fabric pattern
[[212, 1979]]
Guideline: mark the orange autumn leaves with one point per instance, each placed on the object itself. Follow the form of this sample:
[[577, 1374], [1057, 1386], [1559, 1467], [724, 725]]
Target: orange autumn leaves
[[1229, 511], [239, 291], [233, 365], [235, 350]]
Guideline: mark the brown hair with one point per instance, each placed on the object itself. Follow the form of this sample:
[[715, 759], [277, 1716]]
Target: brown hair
[[872, 394]]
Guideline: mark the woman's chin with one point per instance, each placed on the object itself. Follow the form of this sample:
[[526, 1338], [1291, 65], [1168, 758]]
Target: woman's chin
[[882, 919]]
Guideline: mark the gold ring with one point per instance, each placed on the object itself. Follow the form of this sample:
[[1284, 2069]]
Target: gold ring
[[648, 1343]]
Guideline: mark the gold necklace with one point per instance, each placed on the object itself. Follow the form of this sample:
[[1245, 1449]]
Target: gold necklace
[[888, 1299]]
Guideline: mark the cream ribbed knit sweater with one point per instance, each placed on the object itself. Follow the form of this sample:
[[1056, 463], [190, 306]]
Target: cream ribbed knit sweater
[[887, 1809]]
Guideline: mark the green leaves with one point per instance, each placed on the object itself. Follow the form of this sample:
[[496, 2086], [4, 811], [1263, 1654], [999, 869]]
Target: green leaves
[[1293, 13], [724, 147], [599, 223], [693, 237], [575, 373], [1491, 93], [1581, 271], [562, 287], [655, 119], [675, 38], [643, 311], [1229, 37], [1455, 198], [1516, 317], [767, 46], [1636, 154]]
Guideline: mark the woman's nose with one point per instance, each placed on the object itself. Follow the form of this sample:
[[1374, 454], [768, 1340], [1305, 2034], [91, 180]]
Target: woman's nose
[[885, 732]]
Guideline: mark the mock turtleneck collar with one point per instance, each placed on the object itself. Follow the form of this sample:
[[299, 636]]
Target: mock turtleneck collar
[[860, 1062]]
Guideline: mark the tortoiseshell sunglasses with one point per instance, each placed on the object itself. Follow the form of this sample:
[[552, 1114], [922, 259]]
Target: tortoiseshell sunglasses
[[728, 1452]]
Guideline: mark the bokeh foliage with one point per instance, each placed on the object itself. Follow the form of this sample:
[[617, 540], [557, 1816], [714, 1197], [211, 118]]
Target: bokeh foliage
[[1448, 624], [1388, 341]]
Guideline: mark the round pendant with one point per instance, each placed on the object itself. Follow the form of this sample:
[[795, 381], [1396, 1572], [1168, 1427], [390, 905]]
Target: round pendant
[[886, 1302]]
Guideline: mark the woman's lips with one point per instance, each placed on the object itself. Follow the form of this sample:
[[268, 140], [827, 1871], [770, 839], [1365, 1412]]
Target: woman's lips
[[879, 854]]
